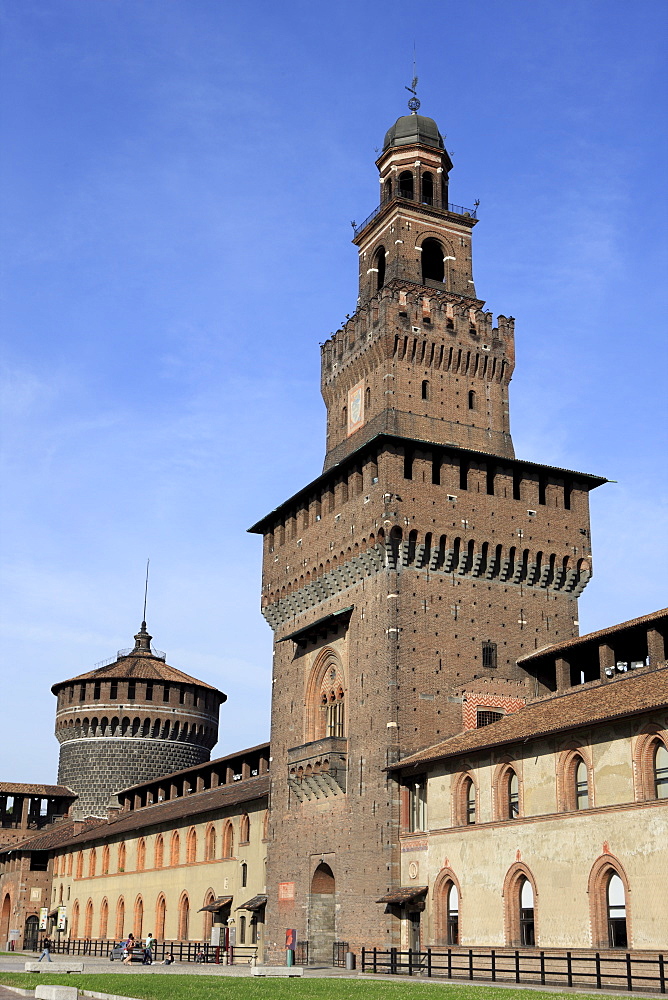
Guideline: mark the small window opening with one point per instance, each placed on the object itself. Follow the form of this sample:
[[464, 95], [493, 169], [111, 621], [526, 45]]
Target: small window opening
[[470, 802], [463, 474], [408, 464], [82, 692], [344, 416], [388, 189], [132, 689], [436, 470], [517, 484], [96, 690], [406, 185], [491, 474], [149, 690], [513, 796], [542, 490], [367, 401], [568, 488], [417, 804], [485, 717], [427, 189], [581, 786], [489, 655], [165, 692], [244, 875], [425, 389], [379, 263], [433, 261]]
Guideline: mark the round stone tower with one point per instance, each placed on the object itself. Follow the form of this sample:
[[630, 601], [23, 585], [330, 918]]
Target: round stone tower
[[129, 720]]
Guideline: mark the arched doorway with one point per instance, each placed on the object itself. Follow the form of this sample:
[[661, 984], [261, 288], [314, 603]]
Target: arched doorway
[[4, 919], [322, 916], [30, 934]]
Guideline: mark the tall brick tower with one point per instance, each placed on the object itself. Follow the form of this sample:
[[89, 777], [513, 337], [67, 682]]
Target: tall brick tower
[[403, 584], [131, 719]]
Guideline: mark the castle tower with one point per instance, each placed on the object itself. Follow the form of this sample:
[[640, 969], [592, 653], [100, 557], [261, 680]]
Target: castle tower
[[405, 582], [129, 720]]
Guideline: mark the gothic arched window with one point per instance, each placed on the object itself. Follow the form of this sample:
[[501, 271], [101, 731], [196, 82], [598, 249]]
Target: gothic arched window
[[379, 264], [433, 260], [325, 700]]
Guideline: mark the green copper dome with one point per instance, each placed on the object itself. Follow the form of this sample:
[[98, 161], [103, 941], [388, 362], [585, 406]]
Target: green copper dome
[[411, 129]]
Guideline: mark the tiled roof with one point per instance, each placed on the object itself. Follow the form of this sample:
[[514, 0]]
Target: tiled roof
[[256, 903], [614, 699], [145, 668], [405, 894], [167, 812], [47, 791], [60, 834], [555, 650], [164, 778]]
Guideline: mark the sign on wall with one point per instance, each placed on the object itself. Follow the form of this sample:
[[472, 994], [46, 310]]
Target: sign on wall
[[43, 917], [62, 918]]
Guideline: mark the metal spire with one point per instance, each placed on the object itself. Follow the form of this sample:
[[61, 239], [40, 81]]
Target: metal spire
[[413, 103]]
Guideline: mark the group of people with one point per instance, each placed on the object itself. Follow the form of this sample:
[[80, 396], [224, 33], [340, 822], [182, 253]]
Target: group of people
[[149, 948]]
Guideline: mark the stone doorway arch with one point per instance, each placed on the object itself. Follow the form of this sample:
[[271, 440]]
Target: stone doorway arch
[[322, 915]]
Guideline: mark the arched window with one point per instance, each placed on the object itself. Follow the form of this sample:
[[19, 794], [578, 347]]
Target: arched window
[[452, 914], [433, 260], [344, 416], [104, 918], [379, 264], [608, 890], [105, 860], [139, 918], [469, 791], [88, 920], [80, 864], [158, 851], [209, 898], [507, 793], [228, 840], [244, 874], [191, 847], [70, 859], [527, 928], [367, 401], [574, 774], [120, 919], [175, 849], [425, 389], [464, 800], [244, 829], [406, 185], [616, 904], [184, 917], [160, 916], [92, 863], [210, 846], [325, 697], [387, 188], [121, 857], [427, 189], [472, 402], [141, 854], [75, 920]]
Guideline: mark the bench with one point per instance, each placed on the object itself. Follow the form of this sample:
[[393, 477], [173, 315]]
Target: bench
[[54, 967], [56, 993], [277, 970]]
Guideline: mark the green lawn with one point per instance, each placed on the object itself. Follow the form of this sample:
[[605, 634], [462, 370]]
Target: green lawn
[[176, 987]]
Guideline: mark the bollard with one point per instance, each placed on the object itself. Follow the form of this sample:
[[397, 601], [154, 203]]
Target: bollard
[[350, 961], [289, 957]]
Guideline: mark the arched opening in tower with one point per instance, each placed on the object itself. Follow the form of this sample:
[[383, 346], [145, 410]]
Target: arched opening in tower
[[322, 915], [433, 261], [406, 185], [380, 267]]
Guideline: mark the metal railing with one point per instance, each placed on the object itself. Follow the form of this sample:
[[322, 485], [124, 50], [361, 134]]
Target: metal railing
[[339, 950], [455, 209], [301, 953], [183, 951], [625, 971]]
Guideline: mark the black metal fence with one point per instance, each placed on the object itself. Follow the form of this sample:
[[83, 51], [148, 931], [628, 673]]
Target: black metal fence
[[183, 951], [339, 950], [301, 953], [624, 971]]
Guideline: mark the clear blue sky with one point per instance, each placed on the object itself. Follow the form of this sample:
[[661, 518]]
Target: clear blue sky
[[177, 191]]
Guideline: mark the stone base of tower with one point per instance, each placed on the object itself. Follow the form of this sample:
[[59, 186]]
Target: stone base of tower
[[97, 768]]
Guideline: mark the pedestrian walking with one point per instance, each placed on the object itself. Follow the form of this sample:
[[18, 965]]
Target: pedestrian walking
[[46, 950]]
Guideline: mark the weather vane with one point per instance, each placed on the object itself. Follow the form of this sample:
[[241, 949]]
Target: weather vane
[[413, 102]]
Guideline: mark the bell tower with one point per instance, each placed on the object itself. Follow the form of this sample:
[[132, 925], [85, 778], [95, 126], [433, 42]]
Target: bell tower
[[405, 582], [421, 357]]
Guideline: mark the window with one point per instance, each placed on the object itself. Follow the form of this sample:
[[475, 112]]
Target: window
[[485, 717], [244, 829], [242, 930], [228, 840], [82, 692], [581, 788], [104, 918], [141, 854], [417, 804], [158, 851], [469, 791], [335, 725], [96, 690], [149, 690], [489, 655], [616, 902], [184, 917], [379, 264], [165, 692], [472, 400], [120, 918], [139, 918], [244, 875], [425, 389], [427, 189], [406, 185], [175, 850], [513, 796], [113, 689], [527, 930], [433, 260], [79, 864], [121, 857], [105, 860], [660, 771], [75, 919], [160, 914], [132, 688], [191, 847], [88, 919], [211, 844], [92, 864], [507, 793], [453, 914]]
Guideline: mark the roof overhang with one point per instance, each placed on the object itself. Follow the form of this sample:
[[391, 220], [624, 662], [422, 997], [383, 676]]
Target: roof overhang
[[405, 894], [323, 625], [218, 904], [254, 904]]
